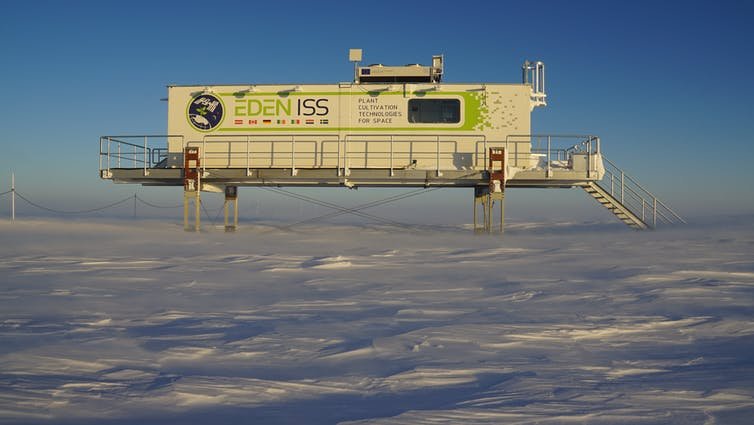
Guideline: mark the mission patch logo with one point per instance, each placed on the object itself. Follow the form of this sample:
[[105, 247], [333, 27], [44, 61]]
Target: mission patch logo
[[205, 112]]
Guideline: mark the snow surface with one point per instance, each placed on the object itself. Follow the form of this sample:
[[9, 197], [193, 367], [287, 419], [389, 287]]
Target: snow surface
[[140, 322]]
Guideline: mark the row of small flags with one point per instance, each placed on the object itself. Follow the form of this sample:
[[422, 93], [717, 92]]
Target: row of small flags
[[255, 122]]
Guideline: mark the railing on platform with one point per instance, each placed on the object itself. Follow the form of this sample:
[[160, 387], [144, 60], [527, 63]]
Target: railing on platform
[[643, 203], [393, 152], [133, 152], [405, 151], [435, 152], [554, 151], [269, 151], [534, 75]]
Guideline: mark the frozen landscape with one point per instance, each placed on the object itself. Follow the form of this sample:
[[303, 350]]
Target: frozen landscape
[[139, 322]]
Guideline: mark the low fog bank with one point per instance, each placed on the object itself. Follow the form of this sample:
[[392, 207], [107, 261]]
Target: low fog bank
[[124, 321]]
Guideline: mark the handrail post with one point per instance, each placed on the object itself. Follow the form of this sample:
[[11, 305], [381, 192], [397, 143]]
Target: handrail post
[[507, 151], [391, 156], [337, 165], [485, 153], [654, 212], [293, 155], [145, 155], [248, 155], [549, 168], [437, 157], [622, 185], [642, 209], [588, 157], [345, 155]]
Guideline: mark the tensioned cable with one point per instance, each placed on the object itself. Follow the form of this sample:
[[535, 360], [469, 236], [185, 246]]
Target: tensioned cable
[[73, 212], [155, 205], [372, 204], [334, 206], [339, 209], [326, 204], [343, 210], [209, 217], [357, 209]]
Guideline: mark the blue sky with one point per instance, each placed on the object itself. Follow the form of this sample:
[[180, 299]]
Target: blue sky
[[665, 84]]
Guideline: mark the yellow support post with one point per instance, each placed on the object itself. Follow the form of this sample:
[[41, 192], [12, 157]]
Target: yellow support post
[[188, 196], [231, 197]]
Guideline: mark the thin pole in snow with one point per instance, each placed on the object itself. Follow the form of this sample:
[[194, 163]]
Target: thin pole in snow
[[12, 197]]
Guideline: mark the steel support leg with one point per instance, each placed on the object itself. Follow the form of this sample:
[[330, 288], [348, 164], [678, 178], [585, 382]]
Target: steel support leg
[[481, 197], [501, 198], [487, 213], [231, 197], [188, 197], [484, 197]]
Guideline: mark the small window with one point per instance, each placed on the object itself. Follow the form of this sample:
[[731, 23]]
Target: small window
[[445, 111]]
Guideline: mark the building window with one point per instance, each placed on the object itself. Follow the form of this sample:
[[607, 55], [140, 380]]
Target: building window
[[435, 111]]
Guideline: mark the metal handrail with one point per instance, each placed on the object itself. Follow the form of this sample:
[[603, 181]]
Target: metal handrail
[[135, 153], [246, 155], [146, 156], [344, 142], [587, 144], [437, 139], [248, 139], [650, 194], [638, 193]]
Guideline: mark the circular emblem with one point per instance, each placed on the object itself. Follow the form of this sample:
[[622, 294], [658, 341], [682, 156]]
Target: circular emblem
[[205, 112]]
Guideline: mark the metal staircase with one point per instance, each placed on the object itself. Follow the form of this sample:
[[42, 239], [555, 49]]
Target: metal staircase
[[634, 205]]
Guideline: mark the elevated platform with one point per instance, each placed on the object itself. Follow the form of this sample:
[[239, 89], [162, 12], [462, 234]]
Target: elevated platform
[[354, 160], [526, 161], [355, 177]]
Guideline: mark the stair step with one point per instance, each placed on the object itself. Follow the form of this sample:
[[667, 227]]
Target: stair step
[[621, 211]]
